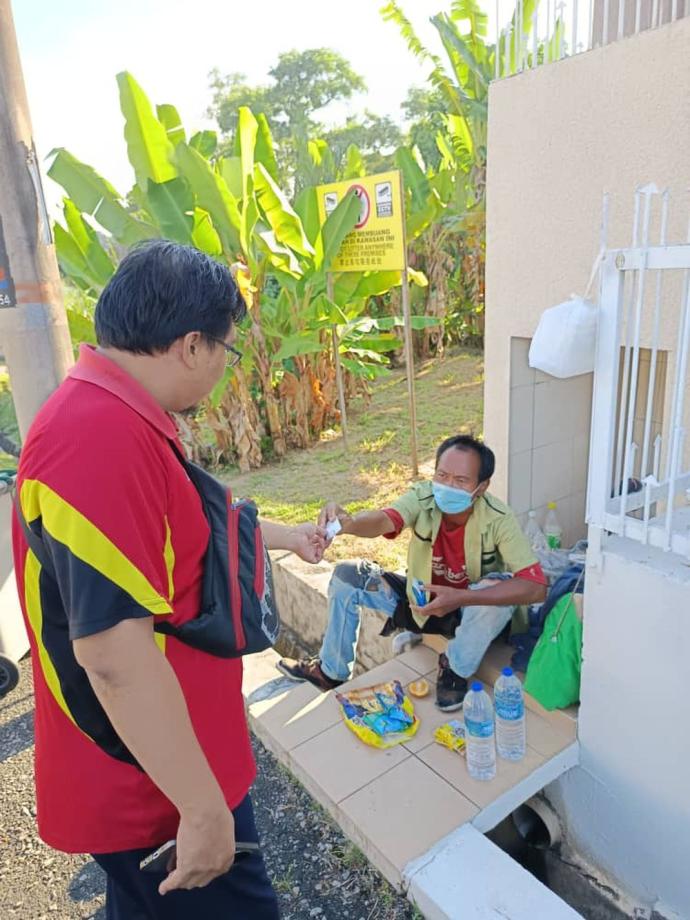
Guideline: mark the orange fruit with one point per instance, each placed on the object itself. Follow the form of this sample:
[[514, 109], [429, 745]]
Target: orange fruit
[[419, 687]]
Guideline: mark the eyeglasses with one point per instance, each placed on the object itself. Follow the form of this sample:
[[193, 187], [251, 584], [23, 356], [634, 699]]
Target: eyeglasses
[[232, 355]]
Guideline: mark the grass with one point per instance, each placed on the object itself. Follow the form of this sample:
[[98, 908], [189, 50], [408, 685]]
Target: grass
[[8, 419], [376, 468]]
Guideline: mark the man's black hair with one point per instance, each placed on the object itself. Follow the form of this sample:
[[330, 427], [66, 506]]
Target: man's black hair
[[487, 460], [161, 291]]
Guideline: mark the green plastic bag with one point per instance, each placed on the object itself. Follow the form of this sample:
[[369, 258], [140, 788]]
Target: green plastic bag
[[553, 672]]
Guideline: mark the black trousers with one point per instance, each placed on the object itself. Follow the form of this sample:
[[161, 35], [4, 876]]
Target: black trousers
[[243, 893]]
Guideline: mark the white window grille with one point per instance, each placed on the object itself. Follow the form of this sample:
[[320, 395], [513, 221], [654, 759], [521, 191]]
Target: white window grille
[[639, 471], [528, 34]]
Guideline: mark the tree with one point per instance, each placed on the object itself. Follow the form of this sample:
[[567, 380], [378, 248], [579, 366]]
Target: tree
[[375, 136], [233, 208], [304, 83], [424, 110]]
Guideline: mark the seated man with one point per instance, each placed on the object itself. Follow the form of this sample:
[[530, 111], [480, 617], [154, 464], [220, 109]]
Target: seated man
[[460, 535]]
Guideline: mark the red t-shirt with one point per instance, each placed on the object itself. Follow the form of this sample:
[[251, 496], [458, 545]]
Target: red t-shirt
[[448, 555], [124, 529]]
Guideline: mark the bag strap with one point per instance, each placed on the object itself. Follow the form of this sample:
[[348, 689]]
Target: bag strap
[[555, 634], [595, 268], [36, 545]]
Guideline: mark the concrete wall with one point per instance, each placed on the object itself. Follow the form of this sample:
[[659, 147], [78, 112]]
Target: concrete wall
[[627, 807], [559, 136], [301, 591]]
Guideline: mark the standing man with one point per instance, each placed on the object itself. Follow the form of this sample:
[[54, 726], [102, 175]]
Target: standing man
[[460, 535], [139, 738]]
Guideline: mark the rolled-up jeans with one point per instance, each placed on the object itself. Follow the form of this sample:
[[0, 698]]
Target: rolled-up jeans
[[357, 585]]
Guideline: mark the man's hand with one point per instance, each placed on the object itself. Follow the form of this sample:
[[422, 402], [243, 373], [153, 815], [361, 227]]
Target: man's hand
[[333, 512], [444, 600], [309, 542], [205, 849]]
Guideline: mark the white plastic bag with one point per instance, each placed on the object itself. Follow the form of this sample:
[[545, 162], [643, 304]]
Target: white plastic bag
[[566, 339]]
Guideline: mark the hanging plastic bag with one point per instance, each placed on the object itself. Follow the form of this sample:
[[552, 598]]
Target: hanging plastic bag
[[565, 341]]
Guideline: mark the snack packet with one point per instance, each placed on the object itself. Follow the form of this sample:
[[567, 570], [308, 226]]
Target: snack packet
[[451, 735], [381, 716]]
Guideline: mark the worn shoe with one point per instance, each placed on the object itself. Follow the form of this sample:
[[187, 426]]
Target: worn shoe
[[450, 687], [308, 669], [405, 641]]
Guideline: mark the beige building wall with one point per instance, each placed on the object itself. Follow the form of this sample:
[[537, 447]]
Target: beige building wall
[[559, 136]]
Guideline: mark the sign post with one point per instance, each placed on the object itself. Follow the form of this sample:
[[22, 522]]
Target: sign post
[[338, 366], [377, 243]]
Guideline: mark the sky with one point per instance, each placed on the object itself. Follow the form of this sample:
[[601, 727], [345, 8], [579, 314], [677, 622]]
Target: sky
[[71, 51]]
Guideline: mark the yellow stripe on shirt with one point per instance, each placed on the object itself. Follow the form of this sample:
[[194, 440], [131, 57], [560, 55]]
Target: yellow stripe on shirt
[[86, 542], [34, 612]]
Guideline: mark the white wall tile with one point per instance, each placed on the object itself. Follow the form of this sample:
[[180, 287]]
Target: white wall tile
[[580, 403], [579, 507], [552, 471], [521, 419], [580, 446], [552, 413], [521, 374], [520, 482]]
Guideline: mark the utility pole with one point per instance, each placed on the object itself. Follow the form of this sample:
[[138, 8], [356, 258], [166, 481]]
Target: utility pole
[[34, 336]]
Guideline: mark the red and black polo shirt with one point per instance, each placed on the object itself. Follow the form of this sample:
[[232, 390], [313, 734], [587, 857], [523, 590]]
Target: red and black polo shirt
[[124, 529]]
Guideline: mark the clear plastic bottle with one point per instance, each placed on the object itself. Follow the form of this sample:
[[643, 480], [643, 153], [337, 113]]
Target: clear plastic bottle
[[478, 712], [511, 737], [534, 533], [552, 528]]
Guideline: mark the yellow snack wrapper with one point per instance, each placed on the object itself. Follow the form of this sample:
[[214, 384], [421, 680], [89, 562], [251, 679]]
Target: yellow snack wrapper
[[451, 735], [381, 716]]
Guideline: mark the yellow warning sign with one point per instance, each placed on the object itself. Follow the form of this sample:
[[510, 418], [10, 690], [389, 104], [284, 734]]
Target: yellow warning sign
[[378, 241]]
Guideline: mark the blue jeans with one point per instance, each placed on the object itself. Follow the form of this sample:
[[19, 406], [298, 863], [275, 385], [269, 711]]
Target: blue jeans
[[355, 585], [243, 893]]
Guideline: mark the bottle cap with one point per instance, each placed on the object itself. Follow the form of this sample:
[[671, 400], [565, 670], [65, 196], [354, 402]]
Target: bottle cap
[[507, 672], [552, 506], [534, 513], [477, 686]]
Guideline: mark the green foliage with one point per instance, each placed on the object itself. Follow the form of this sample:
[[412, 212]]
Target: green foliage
[[232, 206]]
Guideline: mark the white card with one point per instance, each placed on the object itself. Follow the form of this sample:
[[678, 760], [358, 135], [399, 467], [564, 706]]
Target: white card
[[333, 528]]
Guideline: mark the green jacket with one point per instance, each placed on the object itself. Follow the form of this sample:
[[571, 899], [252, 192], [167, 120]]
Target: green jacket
[[494, 541]]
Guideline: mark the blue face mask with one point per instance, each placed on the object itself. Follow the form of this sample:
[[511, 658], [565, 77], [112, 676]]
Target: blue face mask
[[450, 500]]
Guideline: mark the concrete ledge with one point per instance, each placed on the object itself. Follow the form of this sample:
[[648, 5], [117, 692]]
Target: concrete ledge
[[467, 877], [302, 594]]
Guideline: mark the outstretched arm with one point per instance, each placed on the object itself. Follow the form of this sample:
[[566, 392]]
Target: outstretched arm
[[308, 541], [364, 524]]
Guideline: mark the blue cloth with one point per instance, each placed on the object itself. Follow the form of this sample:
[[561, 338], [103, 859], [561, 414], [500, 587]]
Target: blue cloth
[[243, 893], [566, 583]]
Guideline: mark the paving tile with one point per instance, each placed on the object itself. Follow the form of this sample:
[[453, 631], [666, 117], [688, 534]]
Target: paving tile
[[549, 737], [296, 715], [453, 768], [389, 670], [340, 764], [258, 670], [421, 659], [438, 644], [430, 718], [403, 813]]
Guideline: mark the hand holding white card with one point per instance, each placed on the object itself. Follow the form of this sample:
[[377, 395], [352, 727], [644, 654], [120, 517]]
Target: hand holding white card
[[333, 528]]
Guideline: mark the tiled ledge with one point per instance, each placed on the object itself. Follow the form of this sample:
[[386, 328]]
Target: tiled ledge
[[403, 807]]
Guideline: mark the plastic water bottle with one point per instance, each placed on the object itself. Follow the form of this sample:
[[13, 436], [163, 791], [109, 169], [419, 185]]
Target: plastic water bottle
[[478, 712], [510, 716], [552, 528], [534, 533]]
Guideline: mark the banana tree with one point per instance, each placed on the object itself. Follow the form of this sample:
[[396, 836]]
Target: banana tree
[[232, 208]]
